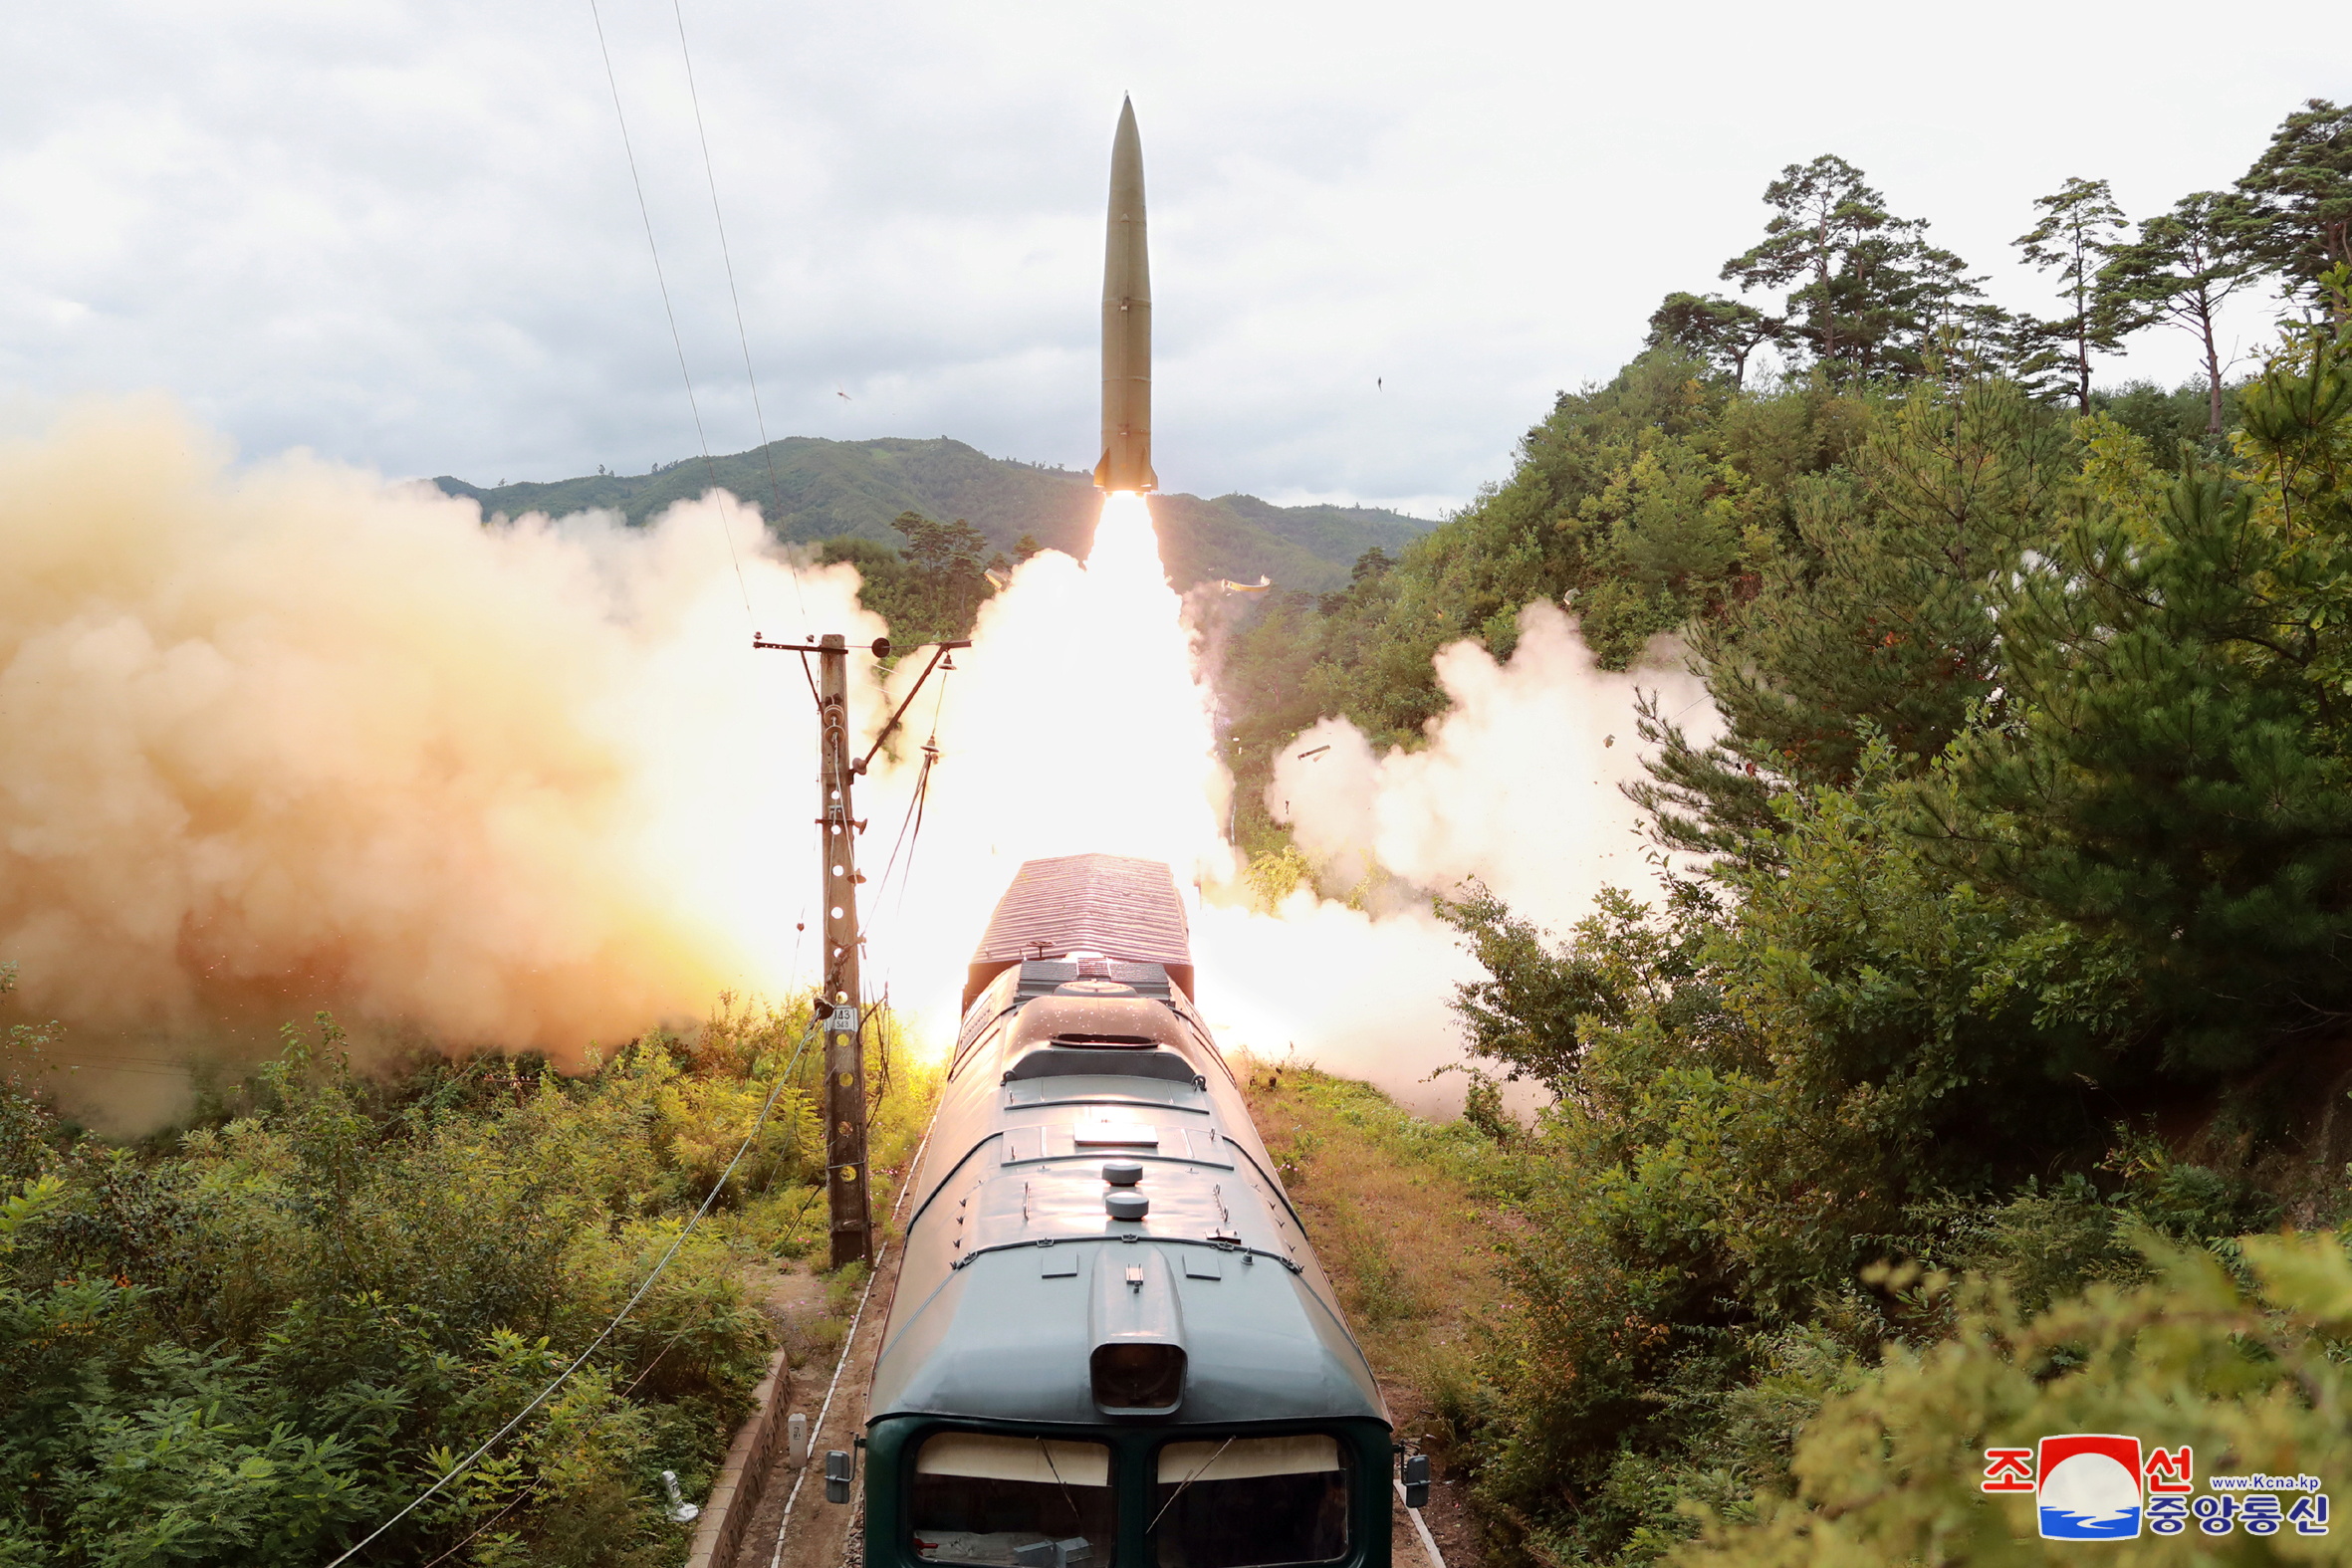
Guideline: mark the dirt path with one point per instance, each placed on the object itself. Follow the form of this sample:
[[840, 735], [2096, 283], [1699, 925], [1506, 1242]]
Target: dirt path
[[817, 1534], [1447, 1515]]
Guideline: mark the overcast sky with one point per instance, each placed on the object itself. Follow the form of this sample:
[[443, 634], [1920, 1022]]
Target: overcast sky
[[404, 235]]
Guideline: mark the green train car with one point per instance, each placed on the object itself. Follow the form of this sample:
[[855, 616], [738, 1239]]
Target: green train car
[[1110, 1343]]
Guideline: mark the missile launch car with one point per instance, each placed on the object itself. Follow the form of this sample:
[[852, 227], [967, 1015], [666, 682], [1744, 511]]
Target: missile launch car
[[1110, 1342]]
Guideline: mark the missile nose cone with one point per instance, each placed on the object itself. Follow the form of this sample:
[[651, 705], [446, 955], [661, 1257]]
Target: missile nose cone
[[1126, 319]]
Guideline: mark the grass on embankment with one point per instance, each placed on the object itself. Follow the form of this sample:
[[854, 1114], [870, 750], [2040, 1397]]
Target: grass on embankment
[[1405, 1216]]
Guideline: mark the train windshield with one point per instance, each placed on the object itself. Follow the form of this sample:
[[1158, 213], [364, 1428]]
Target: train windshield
[[1250, 1502], [980, 1498]]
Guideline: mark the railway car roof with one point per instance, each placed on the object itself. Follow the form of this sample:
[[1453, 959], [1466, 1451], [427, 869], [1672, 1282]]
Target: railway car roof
[[1114, 905], [1084, 1090]]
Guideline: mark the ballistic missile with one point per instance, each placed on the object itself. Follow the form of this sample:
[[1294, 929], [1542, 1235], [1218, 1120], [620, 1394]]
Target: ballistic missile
[[1127, 323]]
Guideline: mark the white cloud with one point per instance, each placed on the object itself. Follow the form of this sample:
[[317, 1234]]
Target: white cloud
[[404, 235]]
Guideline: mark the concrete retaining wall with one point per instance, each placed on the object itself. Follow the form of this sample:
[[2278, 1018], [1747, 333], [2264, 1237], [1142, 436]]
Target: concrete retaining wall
[[736, 1494]]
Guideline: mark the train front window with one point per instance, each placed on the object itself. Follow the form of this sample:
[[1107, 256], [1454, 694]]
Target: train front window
[[1250, 1502], [978, 1497]]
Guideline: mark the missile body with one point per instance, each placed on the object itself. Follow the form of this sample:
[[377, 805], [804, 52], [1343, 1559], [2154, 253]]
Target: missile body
[[1127, 323]]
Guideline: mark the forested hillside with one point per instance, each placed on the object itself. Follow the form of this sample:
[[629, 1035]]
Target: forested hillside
[[812, 490], [1931, 1114]]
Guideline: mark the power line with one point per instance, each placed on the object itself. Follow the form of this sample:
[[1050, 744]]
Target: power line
[[912, 822], [709, 174], [647, 214], [687, 377], [815, 1019]]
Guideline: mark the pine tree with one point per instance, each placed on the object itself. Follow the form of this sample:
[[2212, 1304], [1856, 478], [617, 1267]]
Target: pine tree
[[2184, 264], [1708, 327], [2297, 214], [1823, 209], [1875, 622], [1866, 292], [2172, 763], [2074, 235]]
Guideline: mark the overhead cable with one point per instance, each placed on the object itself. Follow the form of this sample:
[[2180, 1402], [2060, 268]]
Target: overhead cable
[[758, 415], [660, 281]]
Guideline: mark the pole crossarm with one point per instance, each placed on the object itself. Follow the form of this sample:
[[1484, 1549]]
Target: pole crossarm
[[881, 650], [939, 650]]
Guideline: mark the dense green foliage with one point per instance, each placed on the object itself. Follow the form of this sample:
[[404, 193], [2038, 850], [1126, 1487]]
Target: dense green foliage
[[1832, 1058], [1987, 909], [812, 490], [254, 1340], [2251, 1373], [2017, 951], [933, 589], [1639, 503]]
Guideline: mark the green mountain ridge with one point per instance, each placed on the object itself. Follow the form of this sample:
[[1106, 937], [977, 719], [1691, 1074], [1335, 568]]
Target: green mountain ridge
[[813, 489]]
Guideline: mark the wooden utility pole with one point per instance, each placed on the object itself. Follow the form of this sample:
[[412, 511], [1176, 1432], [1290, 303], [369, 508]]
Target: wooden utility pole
[[848, 1178], [844, 1056]]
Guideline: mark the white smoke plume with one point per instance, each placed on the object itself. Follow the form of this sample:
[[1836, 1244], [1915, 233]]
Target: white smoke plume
[[1516, 788], [290, 737], [287, 735]]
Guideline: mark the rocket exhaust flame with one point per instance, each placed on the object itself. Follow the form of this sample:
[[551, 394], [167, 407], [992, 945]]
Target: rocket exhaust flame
[[1078, 725]]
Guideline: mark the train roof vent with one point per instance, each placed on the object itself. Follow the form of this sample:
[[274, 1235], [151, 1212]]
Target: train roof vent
[[1110, 1061], [1043, 979]]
